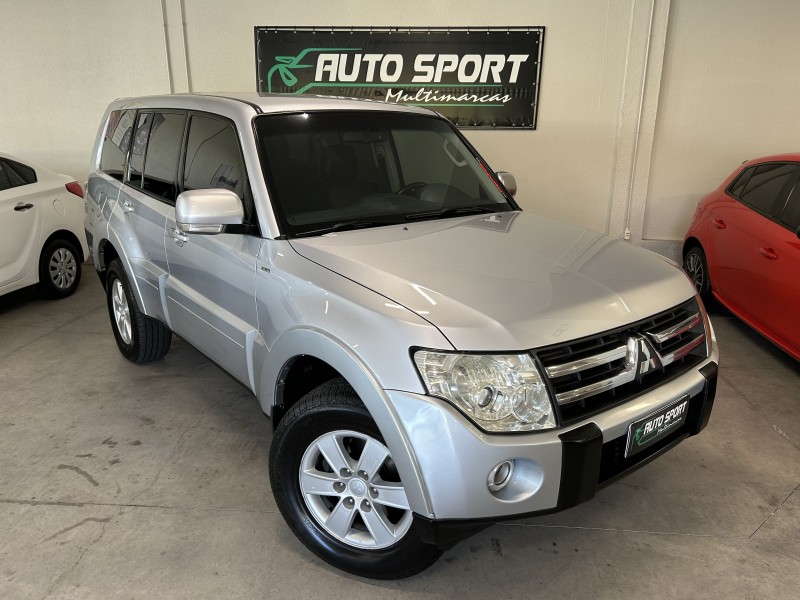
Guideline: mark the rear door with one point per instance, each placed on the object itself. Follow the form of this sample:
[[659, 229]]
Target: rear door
[[211, 285], [105, 181], [149, 196], [20, 224]]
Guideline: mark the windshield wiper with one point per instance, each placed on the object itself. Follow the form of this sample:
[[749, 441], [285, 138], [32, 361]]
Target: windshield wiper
[[443, 213], [345, 226]]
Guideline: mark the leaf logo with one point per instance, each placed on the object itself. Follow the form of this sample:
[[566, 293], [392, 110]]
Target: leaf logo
[[285, 65]]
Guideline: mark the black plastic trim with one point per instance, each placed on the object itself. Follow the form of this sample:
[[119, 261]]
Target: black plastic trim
[[581, 450], [447, 533], [648, 458], [710, 373]]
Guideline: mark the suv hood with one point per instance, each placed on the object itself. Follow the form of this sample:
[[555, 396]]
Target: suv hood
[[506, 281]]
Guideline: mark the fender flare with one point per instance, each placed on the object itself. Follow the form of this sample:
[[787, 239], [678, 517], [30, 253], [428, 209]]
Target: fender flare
[[318, 344]]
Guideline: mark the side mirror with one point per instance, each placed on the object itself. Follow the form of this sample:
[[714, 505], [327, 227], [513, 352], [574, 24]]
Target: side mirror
[[208, 211], [507, 179]]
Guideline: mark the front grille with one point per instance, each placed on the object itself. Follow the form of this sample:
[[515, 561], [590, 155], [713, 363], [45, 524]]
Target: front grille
[[593, 374]]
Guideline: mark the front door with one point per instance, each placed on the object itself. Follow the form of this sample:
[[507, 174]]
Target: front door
[[210, 291], [738, 228], [779, 257]]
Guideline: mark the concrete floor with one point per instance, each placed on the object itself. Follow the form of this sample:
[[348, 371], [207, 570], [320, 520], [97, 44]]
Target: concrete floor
[[128, 481]]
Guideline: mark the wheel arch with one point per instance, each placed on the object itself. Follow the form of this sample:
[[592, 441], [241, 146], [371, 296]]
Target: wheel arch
[[305, 350], [106, 252], [109, 249], [65, 234], [688, 244]]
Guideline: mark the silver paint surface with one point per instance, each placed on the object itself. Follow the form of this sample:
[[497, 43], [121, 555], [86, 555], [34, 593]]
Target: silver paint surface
[[361, 300]]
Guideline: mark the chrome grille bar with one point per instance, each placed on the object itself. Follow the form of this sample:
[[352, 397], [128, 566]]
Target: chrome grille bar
[[675, 330], [631, 355], [576, 366], [636, 360], [670, 358]]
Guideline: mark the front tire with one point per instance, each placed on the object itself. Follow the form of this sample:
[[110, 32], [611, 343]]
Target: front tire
[[139, 338], [696, 266], [337, 487], [59, 269]]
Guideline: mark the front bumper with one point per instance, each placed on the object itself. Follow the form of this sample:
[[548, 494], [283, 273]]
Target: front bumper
[[565, 467]]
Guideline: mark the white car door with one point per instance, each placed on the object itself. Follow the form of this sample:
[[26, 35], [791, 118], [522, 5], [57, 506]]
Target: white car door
[[20, 225]]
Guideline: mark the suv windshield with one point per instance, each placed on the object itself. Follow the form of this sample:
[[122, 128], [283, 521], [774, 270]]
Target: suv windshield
[[333, 171]]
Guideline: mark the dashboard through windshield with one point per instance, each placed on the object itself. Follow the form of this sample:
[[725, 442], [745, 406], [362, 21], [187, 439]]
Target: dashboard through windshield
[[333, 171]]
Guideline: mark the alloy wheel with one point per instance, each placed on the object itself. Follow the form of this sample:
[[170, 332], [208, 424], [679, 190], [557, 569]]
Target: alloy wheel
[[122, 313], [351, 488], [694, 267], [63, 268]]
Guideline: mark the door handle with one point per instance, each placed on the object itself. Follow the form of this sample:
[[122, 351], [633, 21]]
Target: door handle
[[179, 237], [22, 207], [719, 224], [768, 253], [127, 206]]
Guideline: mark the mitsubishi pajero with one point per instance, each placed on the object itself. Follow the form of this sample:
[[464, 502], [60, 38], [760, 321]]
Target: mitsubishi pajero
[[433, 358]]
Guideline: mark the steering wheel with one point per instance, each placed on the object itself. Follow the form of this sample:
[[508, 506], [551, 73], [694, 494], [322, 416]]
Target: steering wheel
[[412, 188]]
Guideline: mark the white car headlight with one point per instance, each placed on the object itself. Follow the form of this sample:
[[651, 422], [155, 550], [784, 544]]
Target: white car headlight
[[498, 392]]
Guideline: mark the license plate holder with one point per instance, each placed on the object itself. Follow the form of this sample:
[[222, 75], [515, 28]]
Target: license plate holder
[[648, 430]]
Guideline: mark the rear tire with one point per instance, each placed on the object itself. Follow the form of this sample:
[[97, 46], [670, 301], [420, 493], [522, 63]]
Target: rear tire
[[139, 338], [59, 269], [338, 490]]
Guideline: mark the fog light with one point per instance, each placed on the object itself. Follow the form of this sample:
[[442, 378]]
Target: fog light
[[500, 475]]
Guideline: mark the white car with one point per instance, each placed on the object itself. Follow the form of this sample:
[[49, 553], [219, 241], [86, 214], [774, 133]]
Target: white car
[[41, 230]]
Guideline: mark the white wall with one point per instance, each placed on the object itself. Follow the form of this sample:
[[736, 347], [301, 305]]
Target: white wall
[[61, 62], [730, 92], [644, 105]]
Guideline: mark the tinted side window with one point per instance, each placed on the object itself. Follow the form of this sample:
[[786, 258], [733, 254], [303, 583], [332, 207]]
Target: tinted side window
[[27, 174], [214, 158], [155, 152], [5, 182], [791, 213], [14, 179], [116, 141], [136, 164], [738, 185], [764, 186]]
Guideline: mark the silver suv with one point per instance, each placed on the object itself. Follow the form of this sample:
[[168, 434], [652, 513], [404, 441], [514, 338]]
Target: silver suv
[[433, 358]]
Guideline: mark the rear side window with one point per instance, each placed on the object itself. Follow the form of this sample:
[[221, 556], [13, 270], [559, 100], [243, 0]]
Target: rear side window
[[765, 185], [5, 180], [116, 142], [26, 173], [155, 152], [791, 213], [738, 186], [9, 176]]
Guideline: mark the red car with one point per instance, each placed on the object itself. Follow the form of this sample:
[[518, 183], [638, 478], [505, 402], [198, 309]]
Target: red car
[[743, 247]]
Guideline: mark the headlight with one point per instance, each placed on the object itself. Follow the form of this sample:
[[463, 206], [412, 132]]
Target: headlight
[[498, 392]]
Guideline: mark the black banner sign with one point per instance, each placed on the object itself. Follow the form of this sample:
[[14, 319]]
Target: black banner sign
[[487, 78]]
